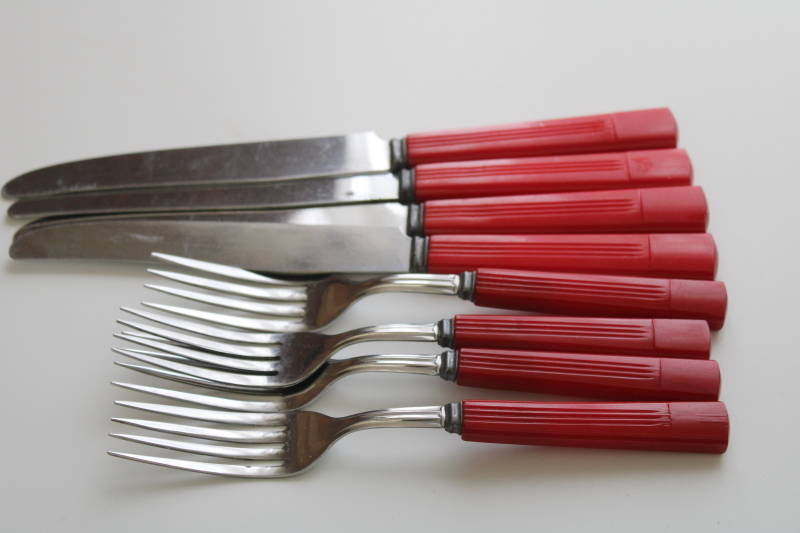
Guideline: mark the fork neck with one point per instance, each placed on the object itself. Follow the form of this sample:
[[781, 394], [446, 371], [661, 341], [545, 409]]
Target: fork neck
[[445, 284], [443, 365], [404, 417], [390, 332]]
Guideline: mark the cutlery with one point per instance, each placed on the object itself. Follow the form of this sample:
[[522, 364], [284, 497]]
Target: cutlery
[[504, 177], [305, 306], [299, 438], [352, 154], [255, 241], [611, 377]]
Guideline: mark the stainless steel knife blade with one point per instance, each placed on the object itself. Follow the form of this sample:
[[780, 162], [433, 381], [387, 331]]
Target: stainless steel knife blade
[[356, 153], [270, 195]]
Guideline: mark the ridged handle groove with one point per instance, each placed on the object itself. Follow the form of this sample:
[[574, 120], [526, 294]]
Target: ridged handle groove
[[544, 175], [610, 377], [632, 130], [661, 210], [687, 339], [597, 295], [697, 427], [661, 255]]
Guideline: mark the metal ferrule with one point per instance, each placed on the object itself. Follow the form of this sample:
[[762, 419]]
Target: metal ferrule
[[419, 254], [446, 333], [405, 193], [416, 217], [466, 289], [453, 418], [448, 365], [398, 155]]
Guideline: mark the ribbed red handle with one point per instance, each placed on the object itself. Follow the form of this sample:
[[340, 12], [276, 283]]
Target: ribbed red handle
[[665, 255], [662, 210], [616, 132], [698, 427], [611, 377], [687, 339], [596, 295], [542, 175]]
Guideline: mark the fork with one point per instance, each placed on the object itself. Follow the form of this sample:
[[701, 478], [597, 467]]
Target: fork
[[313, 305], [283, 359], [589, 375], [298, 439]]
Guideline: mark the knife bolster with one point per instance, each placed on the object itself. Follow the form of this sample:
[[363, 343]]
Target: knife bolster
[[416, 216], [398, 154], [405, 194], [419, 255]]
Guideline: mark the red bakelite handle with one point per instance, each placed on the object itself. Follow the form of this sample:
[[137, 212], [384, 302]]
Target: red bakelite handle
[[611, 377], [596, 295], [542, 175], [664, 255], [661, 337], [698, 427], [616, 132], [666, 210]]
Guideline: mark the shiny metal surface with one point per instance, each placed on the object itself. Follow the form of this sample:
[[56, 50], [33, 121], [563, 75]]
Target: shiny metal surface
[[343, 155], [270, 360], [295, 242], [297, 396], [271, 195], [298, 439], [308, 305]]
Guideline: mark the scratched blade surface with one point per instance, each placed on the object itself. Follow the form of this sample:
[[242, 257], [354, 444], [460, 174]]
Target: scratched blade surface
[[270, 195], [355, 153], [288, 242]]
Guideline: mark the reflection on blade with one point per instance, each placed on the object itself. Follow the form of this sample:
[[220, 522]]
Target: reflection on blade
[[356, 153], [247, 240]]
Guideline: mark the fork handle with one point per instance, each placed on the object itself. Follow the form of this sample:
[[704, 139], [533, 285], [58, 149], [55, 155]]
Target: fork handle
[[610, 377], [598, 295], [684, 339], [632, 130], [660, 210], [659, 255], [697, 427], [546, 175]]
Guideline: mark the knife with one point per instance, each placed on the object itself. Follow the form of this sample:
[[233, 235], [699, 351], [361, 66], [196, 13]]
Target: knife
[[352, 154], [624, 170], [253, 240]]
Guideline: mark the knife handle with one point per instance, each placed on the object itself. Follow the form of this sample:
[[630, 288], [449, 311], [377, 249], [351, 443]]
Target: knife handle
[[611, 377], [668, 210], [660, 337], [596, 295], [615, 132], [695, 427], [660, 255], [544, 175]]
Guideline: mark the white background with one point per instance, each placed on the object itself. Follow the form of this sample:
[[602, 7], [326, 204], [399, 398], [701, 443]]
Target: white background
[[85, 79]]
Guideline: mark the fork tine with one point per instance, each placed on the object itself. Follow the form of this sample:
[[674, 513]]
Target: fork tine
[[262, 472], [219, 361], [228, 452], [193, 380], [268, 404], [243, 436], [208, 415], [214, 346], [253, 324], [272, 309], [209, 331], [240, 380], [224, 270], [288, 294]]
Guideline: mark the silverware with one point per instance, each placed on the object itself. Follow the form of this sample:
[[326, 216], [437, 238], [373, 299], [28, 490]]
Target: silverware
[[255, 241], [298, 439], [305, 306], [504, 177], [352, 154]]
